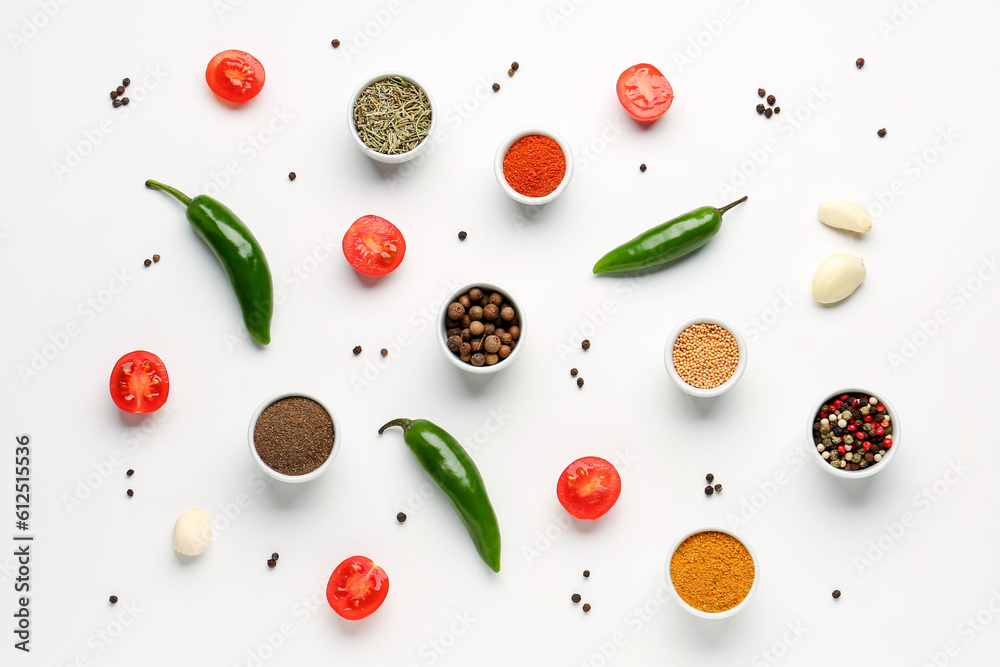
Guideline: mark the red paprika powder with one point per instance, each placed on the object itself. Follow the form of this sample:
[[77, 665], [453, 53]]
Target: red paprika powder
[[534, 165]]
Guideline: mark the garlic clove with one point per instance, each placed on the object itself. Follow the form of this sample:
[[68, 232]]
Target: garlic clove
[[845, 215], [837, 277], [192, 532]]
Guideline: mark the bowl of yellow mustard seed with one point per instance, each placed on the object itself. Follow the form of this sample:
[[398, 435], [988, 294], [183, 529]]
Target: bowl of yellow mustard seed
[[713, 572], [705, 356], [391, 117]]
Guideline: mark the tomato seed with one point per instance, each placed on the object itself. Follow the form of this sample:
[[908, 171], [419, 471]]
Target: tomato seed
[[113, 599], [335, 43], [401, 517]]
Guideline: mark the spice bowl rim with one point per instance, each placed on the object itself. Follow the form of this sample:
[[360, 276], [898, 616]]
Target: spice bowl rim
[[668, 356], [870, 470], [732, 610], [397, 158], [271, 472], [505, 146], [442, 331]]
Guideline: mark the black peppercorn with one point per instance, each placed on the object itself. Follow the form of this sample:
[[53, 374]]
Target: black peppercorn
[[709, 477], [130, 493], [130, 472], [709, 490], [579, 382], [357, 350], [882, 132], [400, 517], [771, 99], [514, 65], [274, 555], [120, 90], [767, 113], [642, 167], [462, 236], [116, 103], [777, 109], [586, 607], [573, 372], [126, 81], [114, 94], [113, 599], [836, 594], [384, 352], [147, 262], [860, 62], [335, 43], [718, 488], [760, 108], [496, 87], [576, 597], [585, 344], [586, 574], [291, 175], [760, 92], [125, 100], [271, 563]]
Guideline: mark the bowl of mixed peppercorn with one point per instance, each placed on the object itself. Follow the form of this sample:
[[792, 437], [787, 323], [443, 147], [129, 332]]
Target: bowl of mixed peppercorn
[[853, 433], [481, 327]]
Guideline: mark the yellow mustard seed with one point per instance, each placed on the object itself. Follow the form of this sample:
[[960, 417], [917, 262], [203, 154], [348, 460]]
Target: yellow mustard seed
[[705, 355]]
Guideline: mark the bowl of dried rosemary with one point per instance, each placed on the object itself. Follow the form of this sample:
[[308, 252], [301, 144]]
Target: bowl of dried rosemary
[[391, 117]]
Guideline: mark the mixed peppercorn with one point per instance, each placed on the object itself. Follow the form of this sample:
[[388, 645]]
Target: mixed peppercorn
[[852, 431]]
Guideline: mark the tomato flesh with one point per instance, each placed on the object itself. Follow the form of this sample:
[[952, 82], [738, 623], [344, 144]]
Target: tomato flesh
[[374, 246], [139, 382], [235, 76], [589, 487], [357, 588], [644, 92]]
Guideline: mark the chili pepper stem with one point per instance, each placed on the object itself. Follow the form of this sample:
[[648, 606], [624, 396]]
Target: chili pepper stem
[[403, 423], [183, 198], [729, 206]]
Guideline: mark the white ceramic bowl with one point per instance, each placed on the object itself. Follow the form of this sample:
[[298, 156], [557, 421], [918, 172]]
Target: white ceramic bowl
[[505, 146], [719, 614], [442, 330], [294, 479], [890, 453], [668, 357], [383, 157]]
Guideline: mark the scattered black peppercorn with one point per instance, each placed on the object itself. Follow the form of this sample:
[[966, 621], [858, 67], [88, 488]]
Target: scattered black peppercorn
[[274, 556], [585, 344], [130, 493], [126, 81], [147, 262], [291, 175], [113, 599], [510, 72], [586, 607], [400, 517], [116, 103], [761, 92], [836, 594], [718, 488], [709, 477], [114, 94], [514, 65], [357, 349], [384, 352], [642, 167], [576, 597], [767, 113], [777, 109], [760, 108], [709, 490], [462, 236], [579, 382], [125, 100], [882, 132], [771, 99], [496, 87], [120, 90], [860, 62], [271, 563], [130, 472], [156, 258], [573, 372], [335, 43], [586, 574]]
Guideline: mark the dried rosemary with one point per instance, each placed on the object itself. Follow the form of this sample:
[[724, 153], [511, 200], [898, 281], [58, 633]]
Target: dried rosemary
[[392, 116]]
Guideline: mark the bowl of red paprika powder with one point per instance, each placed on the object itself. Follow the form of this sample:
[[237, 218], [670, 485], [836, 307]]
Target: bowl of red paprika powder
[[533, 165]]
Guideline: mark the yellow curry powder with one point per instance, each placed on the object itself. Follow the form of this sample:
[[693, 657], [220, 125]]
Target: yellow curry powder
[[712, 571]]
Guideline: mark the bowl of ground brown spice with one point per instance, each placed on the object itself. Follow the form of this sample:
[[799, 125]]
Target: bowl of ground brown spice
[[705, 356], [713, 572], [294, 437]]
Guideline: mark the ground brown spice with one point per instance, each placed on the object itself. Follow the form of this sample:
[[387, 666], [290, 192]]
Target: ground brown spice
[[294, 435], [712, 571]]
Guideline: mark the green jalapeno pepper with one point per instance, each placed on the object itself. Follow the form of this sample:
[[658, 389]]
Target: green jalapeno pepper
[[240, 255], [451, 468], [674, 238]]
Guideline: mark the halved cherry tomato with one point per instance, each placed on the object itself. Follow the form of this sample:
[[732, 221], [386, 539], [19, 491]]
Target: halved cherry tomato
[[644, 92], [589, 487], [374, 246], [235, 76], [357, 588], [139, 382]]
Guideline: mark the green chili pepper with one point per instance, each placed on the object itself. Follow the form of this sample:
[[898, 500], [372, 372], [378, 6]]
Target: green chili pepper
[[451, 468], [674, 238], [240, 254]]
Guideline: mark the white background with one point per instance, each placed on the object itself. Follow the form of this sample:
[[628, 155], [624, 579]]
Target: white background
[[68, 230]]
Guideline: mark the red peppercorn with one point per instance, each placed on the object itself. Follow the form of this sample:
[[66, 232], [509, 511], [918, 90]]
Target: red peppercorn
[[855, 402], [860, 435], [866, 445], [823, 415], [868, 418], [879, 430], [852, 427], [880, 407], [844, 397], [888, 443], [840, 448]]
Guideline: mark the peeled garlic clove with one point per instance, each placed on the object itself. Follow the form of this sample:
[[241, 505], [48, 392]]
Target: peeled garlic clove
[[845, 215], [837, 277], [192, 532]]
